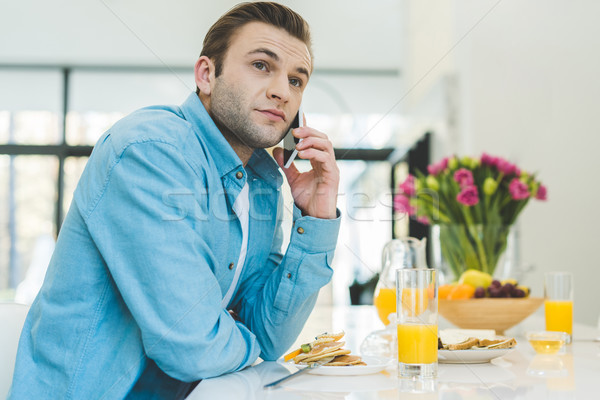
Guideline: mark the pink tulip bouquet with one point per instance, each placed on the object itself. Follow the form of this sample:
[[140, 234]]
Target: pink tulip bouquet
[[475, 201]]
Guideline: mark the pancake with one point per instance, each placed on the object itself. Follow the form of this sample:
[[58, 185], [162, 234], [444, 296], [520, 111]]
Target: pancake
[[321, 356], [319, 350], [344, 360]]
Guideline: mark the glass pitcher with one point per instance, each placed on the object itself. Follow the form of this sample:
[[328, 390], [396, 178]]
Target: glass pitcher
[[398, 253]]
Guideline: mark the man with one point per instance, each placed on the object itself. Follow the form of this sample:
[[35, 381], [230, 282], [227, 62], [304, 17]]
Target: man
[[175, 229]]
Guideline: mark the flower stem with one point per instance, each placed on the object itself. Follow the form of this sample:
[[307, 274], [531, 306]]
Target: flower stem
[[480, 249]]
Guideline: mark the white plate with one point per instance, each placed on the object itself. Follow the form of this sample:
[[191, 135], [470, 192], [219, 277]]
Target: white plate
[[310, 385], [471, 356], [374, 365]]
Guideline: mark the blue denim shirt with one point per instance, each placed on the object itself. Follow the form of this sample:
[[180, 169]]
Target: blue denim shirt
[[145, 256]]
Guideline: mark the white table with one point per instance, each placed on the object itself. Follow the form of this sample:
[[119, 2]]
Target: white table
[[521, 374]]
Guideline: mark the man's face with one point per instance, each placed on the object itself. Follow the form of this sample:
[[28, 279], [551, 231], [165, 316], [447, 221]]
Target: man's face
[[258, 93]]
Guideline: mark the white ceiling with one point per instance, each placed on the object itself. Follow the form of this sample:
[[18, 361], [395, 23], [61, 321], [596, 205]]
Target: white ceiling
[[351, 34]]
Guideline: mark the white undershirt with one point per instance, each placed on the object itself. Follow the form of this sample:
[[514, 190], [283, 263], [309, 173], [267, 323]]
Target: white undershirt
[[241, 207]]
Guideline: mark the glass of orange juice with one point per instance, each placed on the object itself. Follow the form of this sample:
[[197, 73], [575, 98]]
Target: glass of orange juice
[[558, 306], [417, 319]]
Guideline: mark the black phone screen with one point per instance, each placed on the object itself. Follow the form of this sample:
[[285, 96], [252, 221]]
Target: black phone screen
[[289, 142]]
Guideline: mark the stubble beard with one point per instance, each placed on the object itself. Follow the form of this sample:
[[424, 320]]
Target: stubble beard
[[227, 107]]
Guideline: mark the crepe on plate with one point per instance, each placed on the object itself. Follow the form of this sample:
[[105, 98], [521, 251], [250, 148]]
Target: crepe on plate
[[325, 345], [477, 339]]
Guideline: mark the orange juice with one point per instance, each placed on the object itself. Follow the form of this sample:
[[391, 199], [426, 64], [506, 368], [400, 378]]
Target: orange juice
[[385, 303], [417, 344], [559, 315]]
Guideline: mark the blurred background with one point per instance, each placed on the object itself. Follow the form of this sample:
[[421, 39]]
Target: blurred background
[[397, 84]]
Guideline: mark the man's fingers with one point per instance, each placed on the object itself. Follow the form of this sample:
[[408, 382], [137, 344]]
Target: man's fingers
[[326, 161], [316, 143], [305, 132]]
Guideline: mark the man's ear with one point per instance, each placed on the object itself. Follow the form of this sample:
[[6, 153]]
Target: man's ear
[[204, 73]]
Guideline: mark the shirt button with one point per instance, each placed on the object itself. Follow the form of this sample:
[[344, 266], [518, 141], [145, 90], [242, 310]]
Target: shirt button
[[239, 174], [300, 230], [231, 266], [289, 275]]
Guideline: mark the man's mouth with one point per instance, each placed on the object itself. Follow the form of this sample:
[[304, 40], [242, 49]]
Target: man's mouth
[[273, 114]]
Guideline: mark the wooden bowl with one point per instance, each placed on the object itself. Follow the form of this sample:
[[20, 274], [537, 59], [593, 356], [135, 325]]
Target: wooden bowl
[[488, 313]]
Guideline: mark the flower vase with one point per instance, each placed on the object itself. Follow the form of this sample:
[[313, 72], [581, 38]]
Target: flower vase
[[485, 247]]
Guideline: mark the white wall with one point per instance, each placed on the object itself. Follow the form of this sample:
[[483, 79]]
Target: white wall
[[532, 93], [527, 89]]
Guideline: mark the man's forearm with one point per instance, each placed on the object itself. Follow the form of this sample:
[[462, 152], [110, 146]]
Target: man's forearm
[[276, 311]]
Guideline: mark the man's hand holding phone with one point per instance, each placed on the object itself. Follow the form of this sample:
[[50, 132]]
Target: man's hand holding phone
[[314, 191]]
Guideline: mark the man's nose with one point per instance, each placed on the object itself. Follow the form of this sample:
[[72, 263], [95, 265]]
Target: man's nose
[[279, 88]]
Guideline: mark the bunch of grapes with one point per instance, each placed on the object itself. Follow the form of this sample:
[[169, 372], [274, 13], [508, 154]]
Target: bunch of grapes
[[499, 289]]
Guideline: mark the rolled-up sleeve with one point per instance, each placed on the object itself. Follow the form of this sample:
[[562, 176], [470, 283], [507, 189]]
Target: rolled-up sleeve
[[277, 308]]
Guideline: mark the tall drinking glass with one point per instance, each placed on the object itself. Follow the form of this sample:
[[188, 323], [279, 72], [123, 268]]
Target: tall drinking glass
[[417, 319], [558, 306]]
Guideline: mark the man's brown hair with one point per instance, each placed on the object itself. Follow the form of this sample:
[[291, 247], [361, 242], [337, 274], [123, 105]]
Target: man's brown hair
[[217, 40]]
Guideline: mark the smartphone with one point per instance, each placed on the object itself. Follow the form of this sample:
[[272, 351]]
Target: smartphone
[[290, 142]]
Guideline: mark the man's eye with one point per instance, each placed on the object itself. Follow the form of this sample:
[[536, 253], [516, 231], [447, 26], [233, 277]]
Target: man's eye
[[260, 65], [295, 82]]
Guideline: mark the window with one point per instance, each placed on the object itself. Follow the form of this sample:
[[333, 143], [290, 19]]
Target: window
[[30, 103]]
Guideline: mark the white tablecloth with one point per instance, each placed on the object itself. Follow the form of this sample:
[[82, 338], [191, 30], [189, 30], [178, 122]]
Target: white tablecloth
[[521, 374]]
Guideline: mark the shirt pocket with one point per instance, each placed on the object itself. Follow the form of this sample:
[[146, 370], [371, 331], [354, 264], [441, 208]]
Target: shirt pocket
[[287, 284]]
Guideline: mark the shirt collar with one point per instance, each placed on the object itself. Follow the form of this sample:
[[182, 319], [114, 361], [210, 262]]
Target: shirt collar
[[265, 166], [225, 158]]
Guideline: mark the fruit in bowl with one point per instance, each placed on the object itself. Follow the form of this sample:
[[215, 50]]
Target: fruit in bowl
[[475, 278], [476, 284], [499, 306]]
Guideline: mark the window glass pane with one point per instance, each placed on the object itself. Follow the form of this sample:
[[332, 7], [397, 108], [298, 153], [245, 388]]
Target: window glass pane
[[30, 106], [33, 127], [4, 125], [74, 167], [356, 111], [369, 131], [27, 201], [99, 99], [84, 128], [365, 202], [354, 94]]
